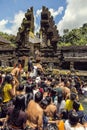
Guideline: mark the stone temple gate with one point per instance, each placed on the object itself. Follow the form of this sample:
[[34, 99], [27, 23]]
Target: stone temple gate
[[47, 43], [47, 38], [48, 33]]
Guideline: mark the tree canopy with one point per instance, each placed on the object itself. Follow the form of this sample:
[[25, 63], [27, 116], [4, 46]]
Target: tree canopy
[[74, 37], [8, 37], [77, 36]]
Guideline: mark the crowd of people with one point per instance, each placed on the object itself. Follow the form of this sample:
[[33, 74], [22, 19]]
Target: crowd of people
[[35, 100]]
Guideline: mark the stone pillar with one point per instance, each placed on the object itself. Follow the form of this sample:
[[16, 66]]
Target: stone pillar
[[72, 69], [71, 65]]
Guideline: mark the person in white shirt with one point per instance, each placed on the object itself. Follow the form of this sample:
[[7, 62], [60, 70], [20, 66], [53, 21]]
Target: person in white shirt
[[60, 103], [73, 122]]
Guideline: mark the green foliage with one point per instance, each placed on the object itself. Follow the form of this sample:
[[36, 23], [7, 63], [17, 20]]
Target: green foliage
[[74, 37], [8, 37], [64, 44]]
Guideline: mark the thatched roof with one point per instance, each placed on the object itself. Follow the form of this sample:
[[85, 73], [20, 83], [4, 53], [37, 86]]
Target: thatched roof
[[3, 40]]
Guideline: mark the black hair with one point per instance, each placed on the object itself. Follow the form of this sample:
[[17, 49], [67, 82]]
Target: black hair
[[38, 97], [64, 114], [60, 97], [28, 98], [44, 103], [43, 78], [1, 99], [45, 89], [73, 118], [48, 98], [52, 84], [53, 92], [20, 87], [30, 66], [49, 78], [49, 89], [73, 96], [19, 104], [43, 85], [62, 79], [8, 78], [33, 85], [29, 88], [76, 105]]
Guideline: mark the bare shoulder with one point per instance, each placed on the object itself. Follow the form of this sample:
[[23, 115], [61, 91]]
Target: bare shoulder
[[79, 125]]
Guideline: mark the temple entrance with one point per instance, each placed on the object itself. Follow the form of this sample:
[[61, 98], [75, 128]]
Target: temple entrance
[[66, 65], [80, 65]]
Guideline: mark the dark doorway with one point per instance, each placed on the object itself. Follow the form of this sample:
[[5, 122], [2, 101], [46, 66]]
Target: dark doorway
[[66, 65], [80, 65]]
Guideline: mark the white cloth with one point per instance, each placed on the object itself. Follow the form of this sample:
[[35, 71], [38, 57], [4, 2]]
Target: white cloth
[[34, 92], [61, 106], [38, 79], [34, 72], [55, 100], [84, 89]]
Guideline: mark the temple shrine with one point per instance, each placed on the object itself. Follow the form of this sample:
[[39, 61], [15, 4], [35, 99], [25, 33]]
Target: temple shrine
[[72, 57]]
